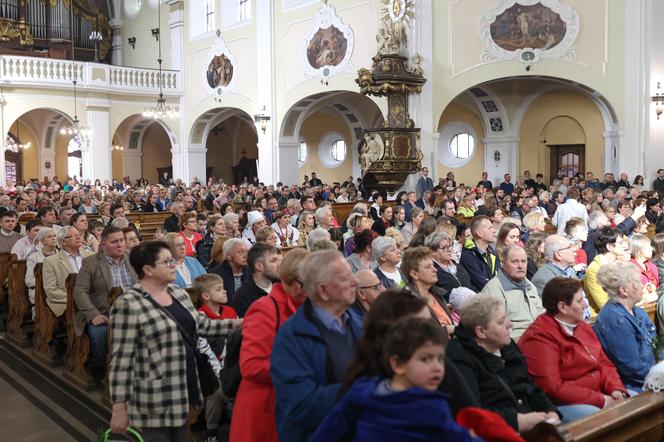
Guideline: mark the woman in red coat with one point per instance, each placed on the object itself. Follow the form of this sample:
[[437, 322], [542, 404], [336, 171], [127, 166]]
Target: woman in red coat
[[253, 413], [564, 356]]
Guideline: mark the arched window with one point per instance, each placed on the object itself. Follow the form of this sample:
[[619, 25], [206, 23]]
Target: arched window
[[462, 146], [12, 159], [302, 153], [75, 160]]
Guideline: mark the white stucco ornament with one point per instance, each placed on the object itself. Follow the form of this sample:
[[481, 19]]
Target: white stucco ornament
[[528, 31], [219, 69], [397, 10], [328, 47]]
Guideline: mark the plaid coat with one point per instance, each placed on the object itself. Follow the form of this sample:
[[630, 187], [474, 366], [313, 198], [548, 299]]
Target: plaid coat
[[148, 365]]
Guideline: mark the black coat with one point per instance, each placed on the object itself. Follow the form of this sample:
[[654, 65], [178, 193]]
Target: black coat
[[172, 224], [502, 384], [448, 281], [203, 249], [246, 295], [224, 270]]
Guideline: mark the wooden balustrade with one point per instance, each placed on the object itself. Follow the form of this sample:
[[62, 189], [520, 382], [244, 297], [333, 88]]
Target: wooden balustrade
[[46, 323], [20, 313], [78, 347]]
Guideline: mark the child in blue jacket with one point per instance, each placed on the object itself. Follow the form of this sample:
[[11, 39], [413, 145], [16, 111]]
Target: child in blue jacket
[[405, 405]]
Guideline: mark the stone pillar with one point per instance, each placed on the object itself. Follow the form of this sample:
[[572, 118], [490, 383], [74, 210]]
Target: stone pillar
[[268, 163], [96, 152], [195, 163], [182, 155], [116, 42], [132, 163]]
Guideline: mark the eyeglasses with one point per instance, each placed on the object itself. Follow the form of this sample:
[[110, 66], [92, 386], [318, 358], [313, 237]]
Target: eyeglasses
[[373, 287], [167, 262]]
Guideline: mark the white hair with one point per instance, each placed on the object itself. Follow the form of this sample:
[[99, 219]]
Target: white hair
[[316, 235], [230, 244]]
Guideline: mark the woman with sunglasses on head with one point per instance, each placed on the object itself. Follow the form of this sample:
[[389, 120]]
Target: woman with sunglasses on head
[[153, 373]]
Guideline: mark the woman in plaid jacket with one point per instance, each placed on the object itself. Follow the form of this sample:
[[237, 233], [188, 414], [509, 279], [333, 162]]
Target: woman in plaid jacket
[[153, 375]]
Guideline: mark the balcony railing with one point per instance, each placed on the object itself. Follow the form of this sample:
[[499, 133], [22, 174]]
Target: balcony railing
[[57, 74]]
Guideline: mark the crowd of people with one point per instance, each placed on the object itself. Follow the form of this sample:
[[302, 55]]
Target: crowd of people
[[457, 312]]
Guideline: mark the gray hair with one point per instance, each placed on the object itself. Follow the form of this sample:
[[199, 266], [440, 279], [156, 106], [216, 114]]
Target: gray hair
[[294, 203], [553, 244], [230, 218], [615, 275], [316, 235], [362, 207], [433, 239], [43, 232], [62, 233], [120, 222], [638, 245], [310, 270], [544, 194], [381, 245], [597, 219], [321, 213], [229, 244], [478, 310]]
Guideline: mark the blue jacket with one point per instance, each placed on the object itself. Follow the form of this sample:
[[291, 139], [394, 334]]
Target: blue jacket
[[411, 415], [195, 269], [301, 371], [626, 341], [478, 268]]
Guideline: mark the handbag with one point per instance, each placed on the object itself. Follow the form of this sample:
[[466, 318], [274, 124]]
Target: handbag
[[206, 377]]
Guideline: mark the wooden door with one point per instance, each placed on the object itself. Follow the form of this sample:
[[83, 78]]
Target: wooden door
[[569, 158]]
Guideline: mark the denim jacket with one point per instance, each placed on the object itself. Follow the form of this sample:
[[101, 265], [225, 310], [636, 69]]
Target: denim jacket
[[627, 341]]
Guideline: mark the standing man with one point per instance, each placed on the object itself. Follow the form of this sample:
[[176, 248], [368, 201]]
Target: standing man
[[99, 273], [507, 185], [488, 185], [424, 183], [658, 184], [263, 264], [571, 208]]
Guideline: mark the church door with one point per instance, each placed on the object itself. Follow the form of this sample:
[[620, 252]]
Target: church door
[[568, 159]]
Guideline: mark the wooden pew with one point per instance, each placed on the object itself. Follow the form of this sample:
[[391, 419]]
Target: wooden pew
[[639, 419], [78, 347], [5, 258], [342, 210], [19, 304], [113, 294], [46, 324], [285, 250]]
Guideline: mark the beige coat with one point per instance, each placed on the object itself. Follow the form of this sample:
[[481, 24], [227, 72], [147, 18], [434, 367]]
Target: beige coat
[[55, 271]]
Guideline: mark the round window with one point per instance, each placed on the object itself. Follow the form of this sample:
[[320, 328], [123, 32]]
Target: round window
[[338, 150], [462, 146]]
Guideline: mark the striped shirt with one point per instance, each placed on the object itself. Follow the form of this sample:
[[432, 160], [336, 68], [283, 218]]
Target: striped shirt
[[120, 275]]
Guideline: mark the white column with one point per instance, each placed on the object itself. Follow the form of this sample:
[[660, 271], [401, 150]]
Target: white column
[[631, 159], [181, 153], [421, 105], [176, 25], [268, 165], [132, 160], [116, 42], [195, 163], [506, 147], [97, 162], [612, 141], [288, 169]]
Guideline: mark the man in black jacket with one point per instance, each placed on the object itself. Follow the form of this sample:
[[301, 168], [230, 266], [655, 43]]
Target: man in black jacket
[[172, 223], [233, 269], [263, 262], [658, 184]]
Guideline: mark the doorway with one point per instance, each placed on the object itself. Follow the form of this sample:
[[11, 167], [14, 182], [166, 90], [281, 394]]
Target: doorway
[[568, 158]]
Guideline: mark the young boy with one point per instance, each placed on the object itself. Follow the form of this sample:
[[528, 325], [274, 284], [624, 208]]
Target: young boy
[[209, 288], [404, 405]]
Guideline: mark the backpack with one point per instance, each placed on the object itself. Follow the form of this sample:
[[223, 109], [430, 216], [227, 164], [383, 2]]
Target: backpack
[[230, 375]]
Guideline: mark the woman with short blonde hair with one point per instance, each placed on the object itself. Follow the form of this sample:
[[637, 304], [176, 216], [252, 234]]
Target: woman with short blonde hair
[[625, 330], [534, 222]]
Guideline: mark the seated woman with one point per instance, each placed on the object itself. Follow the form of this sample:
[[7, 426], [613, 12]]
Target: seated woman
[[494, 368], [449, 274], [641, 251], [564, 356], [611, 246], [187, 269], [509, 234], [388, 256], [625, 330]]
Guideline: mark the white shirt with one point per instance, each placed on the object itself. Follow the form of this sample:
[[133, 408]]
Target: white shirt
[[184, 272], [23, 247], [394, 276], [570, 209], [75, 261]]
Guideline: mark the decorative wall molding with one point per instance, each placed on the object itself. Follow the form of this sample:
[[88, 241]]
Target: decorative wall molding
[[220, 69], [328, 47], [535, 39]]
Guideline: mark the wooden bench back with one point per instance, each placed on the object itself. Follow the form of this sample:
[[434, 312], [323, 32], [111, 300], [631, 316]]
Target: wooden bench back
[[19, 303], [45, 322], [5, 258]]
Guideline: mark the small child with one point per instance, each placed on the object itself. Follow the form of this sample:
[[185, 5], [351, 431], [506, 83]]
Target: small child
[[209, 288], [405, 405], [159, 233]]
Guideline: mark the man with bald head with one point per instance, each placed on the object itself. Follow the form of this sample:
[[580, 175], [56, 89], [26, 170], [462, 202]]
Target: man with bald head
[[369, 288], [522, 303], [313, 349]]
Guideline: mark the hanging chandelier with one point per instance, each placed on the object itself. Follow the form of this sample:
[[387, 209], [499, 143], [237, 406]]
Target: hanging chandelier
[[161, 109], [75, 128]]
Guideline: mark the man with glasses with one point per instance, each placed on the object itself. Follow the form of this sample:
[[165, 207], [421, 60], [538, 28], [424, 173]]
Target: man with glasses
[[58, 266], [368, 289], [560, 255]]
